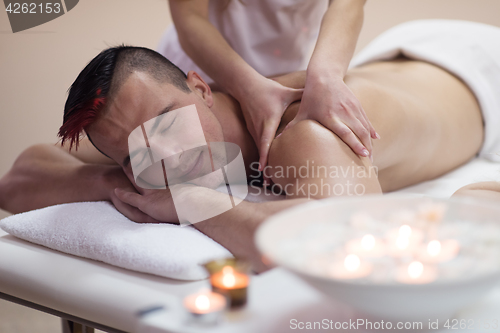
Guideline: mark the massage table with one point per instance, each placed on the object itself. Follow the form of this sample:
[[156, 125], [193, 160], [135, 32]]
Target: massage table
[[87, 293], [93, 294]]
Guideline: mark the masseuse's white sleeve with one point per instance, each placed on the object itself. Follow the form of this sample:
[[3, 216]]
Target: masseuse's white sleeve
[[272, 36]]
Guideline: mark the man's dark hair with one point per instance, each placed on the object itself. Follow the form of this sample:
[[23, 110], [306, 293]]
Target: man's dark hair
[[101, 79]]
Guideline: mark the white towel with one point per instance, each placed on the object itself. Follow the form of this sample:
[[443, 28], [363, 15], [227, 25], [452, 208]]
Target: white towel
[[469, 50], [96, 230]]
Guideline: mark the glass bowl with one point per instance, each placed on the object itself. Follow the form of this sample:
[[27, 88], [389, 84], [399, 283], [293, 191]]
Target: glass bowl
[[313, 241]]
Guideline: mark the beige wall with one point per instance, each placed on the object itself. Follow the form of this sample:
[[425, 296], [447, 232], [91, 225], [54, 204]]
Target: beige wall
[[37, 66]]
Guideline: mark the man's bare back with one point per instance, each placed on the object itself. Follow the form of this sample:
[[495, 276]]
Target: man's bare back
[[428, 119]]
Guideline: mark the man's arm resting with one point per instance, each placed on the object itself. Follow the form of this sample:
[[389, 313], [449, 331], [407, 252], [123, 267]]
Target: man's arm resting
[[484, 190], [87, 153], [45, 175], [235, 229]]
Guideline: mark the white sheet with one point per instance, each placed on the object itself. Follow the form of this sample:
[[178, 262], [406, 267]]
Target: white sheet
[[477, 170]]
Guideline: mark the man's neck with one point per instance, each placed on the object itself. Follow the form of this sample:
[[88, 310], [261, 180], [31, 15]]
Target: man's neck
[[228, 112]]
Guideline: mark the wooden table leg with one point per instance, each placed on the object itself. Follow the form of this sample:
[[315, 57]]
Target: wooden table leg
[[69, 326]]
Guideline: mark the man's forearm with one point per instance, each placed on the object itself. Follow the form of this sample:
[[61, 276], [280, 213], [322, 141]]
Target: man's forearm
[[235, 229], [45, 175]]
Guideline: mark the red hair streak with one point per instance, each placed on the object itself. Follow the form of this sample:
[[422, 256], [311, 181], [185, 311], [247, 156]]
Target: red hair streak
[[79, 118]]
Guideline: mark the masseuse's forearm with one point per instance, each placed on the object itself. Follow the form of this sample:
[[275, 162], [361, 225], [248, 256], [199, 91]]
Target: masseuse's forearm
[[296, 80], [45, 175], [235, 229], [207, 47], [337, 39]]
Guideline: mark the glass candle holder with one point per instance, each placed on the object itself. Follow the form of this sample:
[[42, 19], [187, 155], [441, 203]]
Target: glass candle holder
[[205, 307], [230, 277]]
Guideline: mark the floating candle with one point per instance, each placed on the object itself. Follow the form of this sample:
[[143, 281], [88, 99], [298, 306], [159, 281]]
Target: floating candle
[[405, 231], [352, 262], [439, 251], [350, 268], [434, 248], [367, 246], [415, 269], [403, 241], [368, 242], [416, 273]]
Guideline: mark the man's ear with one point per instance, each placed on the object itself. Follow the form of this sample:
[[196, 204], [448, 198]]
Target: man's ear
[[200, 87]]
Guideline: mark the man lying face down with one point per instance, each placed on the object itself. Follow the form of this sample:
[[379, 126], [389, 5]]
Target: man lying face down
[[425, 133], [428, 119], [399, 97]]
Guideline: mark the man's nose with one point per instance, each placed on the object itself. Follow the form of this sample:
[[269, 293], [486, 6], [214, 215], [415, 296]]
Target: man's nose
[[168, 152]]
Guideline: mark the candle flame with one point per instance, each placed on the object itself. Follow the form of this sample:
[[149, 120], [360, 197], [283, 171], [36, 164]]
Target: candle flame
[[433, 248], [228, 278], [405, 231], [202, 302], [402, 242], [415, 269], [352, 262], [227, 270], [368, 242]]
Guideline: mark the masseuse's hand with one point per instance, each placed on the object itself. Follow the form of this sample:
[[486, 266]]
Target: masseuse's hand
[[330, 102], [263, 104]]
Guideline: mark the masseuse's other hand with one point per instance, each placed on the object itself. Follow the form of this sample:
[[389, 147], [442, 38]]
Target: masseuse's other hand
[[331, 103], [263, 104]]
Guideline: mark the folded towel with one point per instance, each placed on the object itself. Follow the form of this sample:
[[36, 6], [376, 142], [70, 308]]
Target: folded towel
[[469, 50], [96, 230]]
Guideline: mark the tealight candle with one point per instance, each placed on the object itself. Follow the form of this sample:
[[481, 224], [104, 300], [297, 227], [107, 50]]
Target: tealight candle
[[416, 273], [206, 307], [405, 231], [367, 246], [229, 277], [439, 251], [350, 268]]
